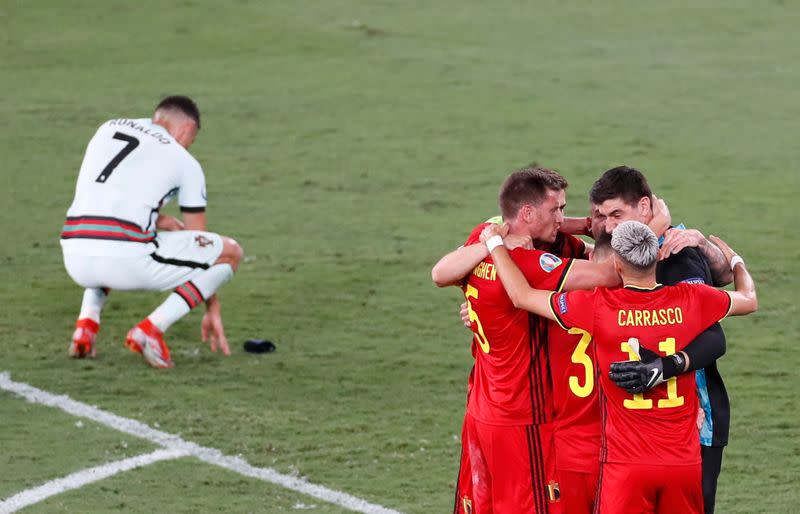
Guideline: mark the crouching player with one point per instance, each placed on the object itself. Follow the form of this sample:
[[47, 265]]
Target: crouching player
[[115, 238]]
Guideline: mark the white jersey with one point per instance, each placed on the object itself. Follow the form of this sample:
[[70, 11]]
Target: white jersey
[[132, 167]]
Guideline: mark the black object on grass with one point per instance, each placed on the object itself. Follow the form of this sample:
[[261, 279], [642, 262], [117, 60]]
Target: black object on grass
[[259, 346]]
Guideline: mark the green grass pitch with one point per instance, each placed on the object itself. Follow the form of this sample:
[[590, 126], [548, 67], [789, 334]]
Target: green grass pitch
[[347, 145]]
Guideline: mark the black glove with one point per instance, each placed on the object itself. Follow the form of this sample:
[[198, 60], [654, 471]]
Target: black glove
[[639, 376]]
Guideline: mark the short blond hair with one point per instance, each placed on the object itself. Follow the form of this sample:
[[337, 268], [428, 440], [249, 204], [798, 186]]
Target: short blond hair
[[635, 244]]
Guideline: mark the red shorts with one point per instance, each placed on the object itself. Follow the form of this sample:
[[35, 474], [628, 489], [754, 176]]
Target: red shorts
[[578, 490], [507, 470], [650, 489]]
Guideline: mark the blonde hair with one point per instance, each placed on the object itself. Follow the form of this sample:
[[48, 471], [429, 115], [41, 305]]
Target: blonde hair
[[636, 244]]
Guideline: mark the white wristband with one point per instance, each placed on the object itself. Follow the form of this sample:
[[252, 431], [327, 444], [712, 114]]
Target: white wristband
[[493, 242], [734, 261]]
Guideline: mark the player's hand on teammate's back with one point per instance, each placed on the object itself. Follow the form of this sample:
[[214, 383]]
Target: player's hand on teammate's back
[[637, 376], [701, 418], [676, 240], [465, 315], [211, 327]]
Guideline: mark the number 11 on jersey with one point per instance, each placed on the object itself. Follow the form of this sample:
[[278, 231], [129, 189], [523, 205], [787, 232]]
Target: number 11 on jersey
[[672, 400]]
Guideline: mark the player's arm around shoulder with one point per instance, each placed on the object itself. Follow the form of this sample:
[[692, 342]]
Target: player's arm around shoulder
[[743, 299], [677, 239], [588, 275], [453, 268], [522, 295]]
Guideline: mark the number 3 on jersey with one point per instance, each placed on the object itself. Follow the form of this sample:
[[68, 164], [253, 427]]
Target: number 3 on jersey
[[131, 145], [472, 292], [579, 356]]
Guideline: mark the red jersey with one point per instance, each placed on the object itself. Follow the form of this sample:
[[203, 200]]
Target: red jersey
[[510, 383], [659, 426], [575, 397]]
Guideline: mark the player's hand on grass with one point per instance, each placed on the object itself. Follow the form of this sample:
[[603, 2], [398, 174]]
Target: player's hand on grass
[[676, 240], [465, 315], [211, 327], [492, 230]]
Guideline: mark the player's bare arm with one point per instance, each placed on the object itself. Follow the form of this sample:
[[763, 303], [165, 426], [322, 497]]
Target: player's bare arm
[[743, 299], [576, 226], [212, 329], [661, 217], [169, 223], [676, 240], [588, 275], [194, 220], [521, 294], [453, 267]]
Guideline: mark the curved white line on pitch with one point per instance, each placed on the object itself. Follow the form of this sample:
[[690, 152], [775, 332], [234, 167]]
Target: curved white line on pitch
[[174, 442], [84, 477]]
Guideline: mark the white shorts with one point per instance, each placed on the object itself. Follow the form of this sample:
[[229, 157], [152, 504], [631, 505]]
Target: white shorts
[[176, 257]]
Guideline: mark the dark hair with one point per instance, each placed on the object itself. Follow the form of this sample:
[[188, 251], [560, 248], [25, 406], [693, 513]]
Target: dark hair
[[181, 103], [602, 245], [603, 240], [621, 182], [528, 185]]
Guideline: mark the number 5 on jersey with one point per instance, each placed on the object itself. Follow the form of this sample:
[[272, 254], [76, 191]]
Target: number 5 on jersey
[[472, 292]]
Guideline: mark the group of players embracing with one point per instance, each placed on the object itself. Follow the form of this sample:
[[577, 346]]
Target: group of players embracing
[[595, 386]]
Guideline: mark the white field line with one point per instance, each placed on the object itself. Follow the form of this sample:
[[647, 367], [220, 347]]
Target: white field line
[[82, 478], [175, 442]]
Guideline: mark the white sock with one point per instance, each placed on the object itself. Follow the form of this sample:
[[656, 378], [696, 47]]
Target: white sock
[[189, 295], [92, 305], [212, 279]]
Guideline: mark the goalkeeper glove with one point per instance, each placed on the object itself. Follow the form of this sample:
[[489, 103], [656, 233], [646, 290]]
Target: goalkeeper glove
[[639, 376]]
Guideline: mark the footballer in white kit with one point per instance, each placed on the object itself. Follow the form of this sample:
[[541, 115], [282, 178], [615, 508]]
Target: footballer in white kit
[[114, 236]]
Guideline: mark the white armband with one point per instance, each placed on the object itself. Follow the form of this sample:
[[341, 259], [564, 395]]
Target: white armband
[[734, 261], [493, 242]]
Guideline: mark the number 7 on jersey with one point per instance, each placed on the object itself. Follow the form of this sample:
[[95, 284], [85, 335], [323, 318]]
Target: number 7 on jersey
[[111, 166]]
